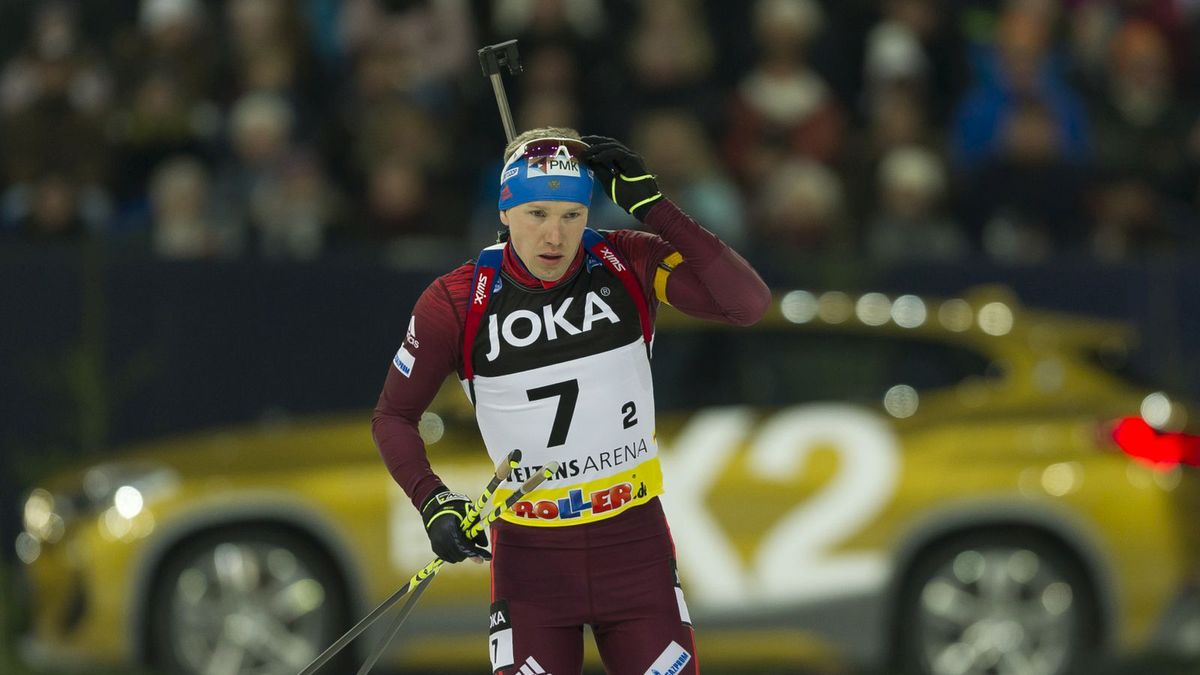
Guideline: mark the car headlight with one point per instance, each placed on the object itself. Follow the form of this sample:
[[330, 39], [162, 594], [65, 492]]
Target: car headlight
[[40, 517], [43, 523], [117, 492], [126, 488]]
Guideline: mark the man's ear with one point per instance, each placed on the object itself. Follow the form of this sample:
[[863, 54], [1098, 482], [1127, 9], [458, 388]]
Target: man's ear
[[504, 217]]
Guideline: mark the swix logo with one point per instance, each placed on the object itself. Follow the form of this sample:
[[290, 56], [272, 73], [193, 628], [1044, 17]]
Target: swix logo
[[607, 254], [530, 325], [574, 505], [481, 285]]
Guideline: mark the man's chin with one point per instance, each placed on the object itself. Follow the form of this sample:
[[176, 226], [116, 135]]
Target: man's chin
[[546, 273]]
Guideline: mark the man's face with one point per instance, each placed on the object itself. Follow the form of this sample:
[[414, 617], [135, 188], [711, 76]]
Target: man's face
[[546, 235]]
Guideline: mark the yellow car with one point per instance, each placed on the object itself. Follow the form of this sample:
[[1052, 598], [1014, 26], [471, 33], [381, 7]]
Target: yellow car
[[860, 479]]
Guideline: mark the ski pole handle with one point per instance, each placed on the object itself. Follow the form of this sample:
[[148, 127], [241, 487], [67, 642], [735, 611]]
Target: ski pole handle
[[528, 486], [503, 470]]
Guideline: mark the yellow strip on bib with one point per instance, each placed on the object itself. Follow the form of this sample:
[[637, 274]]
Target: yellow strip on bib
[[587, 502]]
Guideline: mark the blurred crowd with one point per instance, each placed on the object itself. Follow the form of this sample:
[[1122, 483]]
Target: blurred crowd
[[896, 130]]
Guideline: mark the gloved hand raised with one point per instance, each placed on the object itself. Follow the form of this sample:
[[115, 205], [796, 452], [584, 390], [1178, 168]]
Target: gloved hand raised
[[623, 175], [443, 514]]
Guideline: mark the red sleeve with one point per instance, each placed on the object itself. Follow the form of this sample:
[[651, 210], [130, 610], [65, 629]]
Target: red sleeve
[[644, 251], [431, 352], [713, 282]]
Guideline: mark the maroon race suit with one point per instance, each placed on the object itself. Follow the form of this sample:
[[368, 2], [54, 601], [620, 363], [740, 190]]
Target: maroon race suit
[[616, 575]]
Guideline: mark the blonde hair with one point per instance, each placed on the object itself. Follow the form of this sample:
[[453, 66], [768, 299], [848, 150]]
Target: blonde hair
[[542, 132]]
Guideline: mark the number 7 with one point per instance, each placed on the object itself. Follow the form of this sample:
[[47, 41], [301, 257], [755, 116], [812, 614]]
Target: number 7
[[568, 393]]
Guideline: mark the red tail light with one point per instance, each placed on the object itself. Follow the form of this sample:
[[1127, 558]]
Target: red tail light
[[1140, 440]]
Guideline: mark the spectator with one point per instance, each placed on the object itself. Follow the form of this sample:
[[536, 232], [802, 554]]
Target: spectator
[[398, 202], [159, 122], [895, 108], [670, 59], [673, 142], [783, 108], [926, 46], [549, 109], [910, 225], [894, 59], [270, 51], [561, 46], [1017, 69], [1027, 202], [173, 39], [800, 211], [294, 217], [537, 22], [575, 29], [550, 70], [260, 127], [183, 226], [1094, 22], [1130, 223], [1091, 26], [1139, 119], [53, 100], [54, 212], [426, 45], [398, 129]]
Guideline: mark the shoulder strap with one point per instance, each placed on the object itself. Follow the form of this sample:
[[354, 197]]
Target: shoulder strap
[[598, 246], [487, 272]]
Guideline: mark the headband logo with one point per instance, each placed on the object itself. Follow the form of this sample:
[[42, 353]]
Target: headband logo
[[561, 164], [553, 184]]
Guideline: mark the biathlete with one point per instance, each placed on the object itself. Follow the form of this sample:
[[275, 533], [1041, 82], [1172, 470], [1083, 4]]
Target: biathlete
[[550, 333]]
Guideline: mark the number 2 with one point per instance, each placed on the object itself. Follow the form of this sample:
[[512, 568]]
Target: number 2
[[630, 411], [798, 557], [568, 393]]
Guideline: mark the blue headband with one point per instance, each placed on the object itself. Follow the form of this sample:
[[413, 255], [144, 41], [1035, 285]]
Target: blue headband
[[561, 178]]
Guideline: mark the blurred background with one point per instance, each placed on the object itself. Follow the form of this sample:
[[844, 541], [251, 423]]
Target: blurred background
[[219, 212]]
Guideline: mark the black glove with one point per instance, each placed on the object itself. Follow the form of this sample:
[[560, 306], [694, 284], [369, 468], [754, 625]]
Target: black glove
[[623, 174], [443, 514]]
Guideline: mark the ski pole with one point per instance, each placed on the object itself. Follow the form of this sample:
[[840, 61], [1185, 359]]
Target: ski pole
[[503, 469], [429, 570], [394, 629]]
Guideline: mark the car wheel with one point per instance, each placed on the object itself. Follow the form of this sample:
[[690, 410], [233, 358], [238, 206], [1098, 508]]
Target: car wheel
[[996, 604], [252, 601]]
